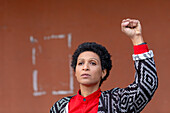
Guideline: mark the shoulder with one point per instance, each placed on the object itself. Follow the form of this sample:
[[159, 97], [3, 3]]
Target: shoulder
[[112, 91], [60, 104], [64, 100]]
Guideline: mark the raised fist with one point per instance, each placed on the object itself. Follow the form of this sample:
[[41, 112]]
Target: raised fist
[[132, 28]]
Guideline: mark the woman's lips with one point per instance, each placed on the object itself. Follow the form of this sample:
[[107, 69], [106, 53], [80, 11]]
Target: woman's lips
[[85, 75]]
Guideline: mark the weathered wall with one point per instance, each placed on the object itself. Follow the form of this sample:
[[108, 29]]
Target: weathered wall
[[37, 38]]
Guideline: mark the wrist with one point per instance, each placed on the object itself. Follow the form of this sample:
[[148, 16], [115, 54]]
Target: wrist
[[136, 40]]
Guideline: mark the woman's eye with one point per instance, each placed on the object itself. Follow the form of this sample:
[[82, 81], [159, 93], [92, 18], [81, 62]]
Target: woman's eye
[[80, 63], [93, 63]]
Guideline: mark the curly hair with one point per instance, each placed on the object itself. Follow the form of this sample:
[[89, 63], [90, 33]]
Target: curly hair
[[101, 51]]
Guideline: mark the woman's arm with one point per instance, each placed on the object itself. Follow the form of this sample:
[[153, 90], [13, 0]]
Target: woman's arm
[[135, 97]]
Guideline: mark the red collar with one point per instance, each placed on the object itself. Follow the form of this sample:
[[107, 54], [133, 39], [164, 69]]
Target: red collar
[[90, 97], [89, 104]]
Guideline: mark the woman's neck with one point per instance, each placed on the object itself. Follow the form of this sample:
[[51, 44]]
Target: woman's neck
[[87, 90]]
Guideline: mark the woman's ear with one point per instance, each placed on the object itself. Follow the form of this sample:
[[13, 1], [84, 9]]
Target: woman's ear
[[104, 73]]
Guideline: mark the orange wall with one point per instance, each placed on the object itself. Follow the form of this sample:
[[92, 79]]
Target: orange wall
[[37, 38]]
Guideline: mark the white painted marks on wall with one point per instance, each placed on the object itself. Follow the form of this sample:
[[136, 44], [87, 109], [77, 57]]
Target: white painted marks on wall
[[35, 84], [35, 73]]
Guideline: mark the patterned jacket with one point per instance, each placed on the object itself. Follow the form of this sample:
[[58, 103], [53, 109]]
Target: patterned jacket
[[131, 99]]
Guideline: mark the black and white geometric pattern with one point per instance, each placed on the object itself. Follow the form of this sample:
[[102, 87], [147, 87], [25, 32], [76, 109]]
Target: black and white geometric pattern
[[143, 55], [60, 106], [131, 99]]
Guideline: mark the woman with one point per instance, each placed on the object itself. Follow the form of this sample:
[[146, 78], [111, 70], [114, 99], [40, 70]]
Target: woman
[[92, 64]]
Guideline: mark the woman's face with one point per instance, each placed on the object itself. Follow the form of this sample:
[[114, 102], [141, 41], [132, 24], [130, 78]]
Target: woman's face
[[88, 69]]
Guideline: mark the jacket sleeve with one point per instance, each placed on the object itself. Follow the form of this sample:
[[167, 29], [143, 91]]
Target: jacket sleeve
[[135, 97], [61, 106]]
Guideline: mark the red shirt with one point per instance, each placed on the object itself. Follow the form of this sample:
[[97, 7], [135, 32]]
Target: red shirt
[[89, 104]]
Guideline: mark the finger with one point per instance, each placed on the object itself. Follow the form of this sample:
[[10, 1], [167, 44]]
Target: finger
[[125, 24], [138, 25], [128, 23], [133, 23], [126, 20]]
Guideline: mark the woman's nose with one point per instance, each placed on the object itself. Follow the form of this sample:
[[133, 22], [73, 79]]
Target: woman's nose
[[86, 67]]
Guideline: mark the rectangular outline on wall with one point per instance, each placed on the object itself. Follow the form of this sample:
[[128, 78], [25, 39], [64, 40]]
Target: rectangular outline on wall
[[35, 72]]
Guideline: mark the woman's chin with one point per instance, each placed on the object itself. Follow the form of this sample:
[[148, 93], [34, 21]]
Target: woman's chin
[[89, 83]]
